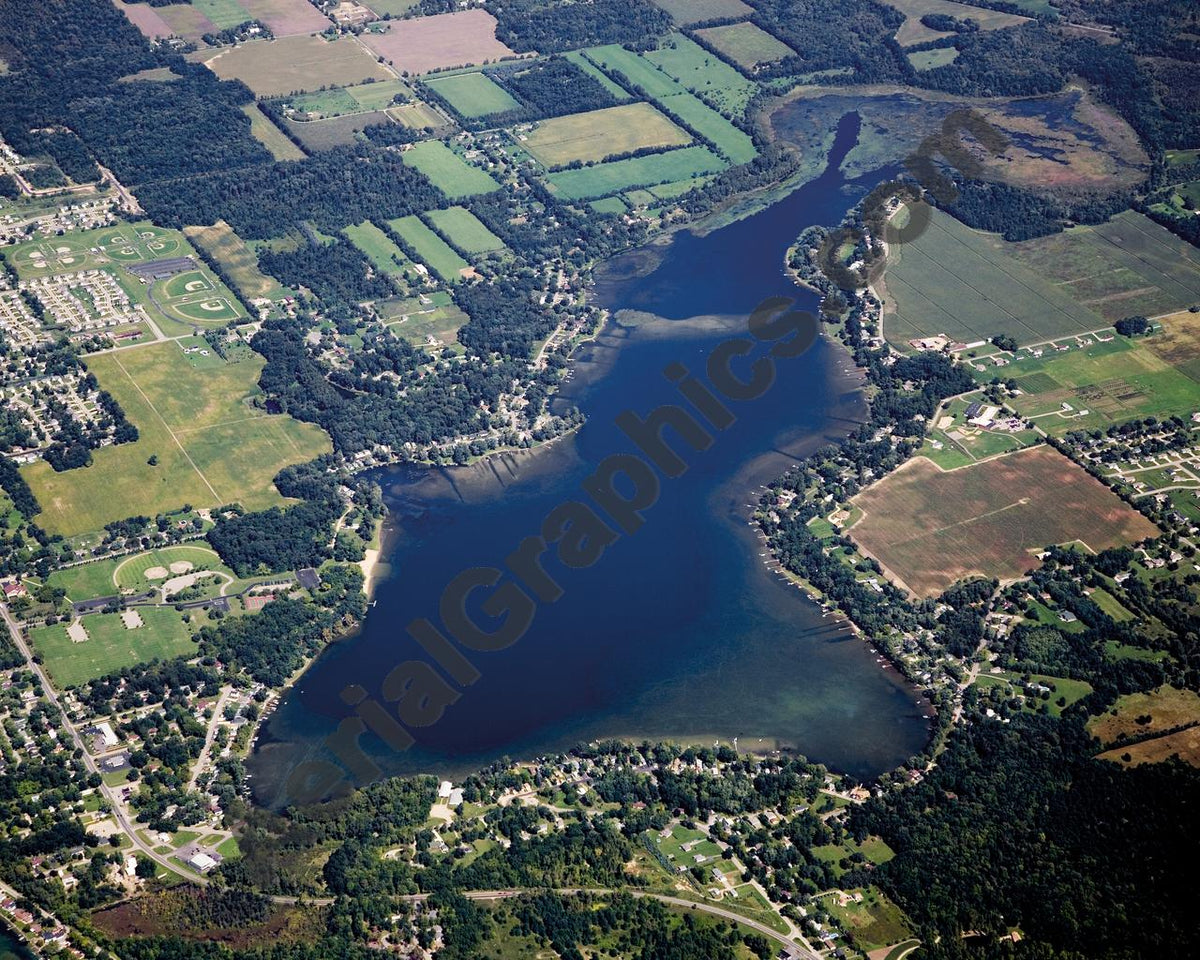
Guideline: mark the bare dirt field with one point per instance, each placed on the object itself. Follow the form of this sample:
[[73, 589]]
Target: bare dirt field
[[274, 68], [439, 42], [286, 17], [145, 18], [930, 528]]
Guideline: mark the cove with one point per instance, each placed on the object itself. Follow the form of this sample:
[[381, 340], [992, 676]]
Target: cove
[[680, 631]]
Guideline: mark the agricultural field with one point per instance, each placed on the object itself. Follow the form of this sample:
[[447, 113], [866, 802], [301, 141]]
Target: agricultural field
[[379, 248], [610, 132], [608, 83], [222, 13], [746, 44], [396, 8], [276, 68], [1127, 266], [685, 12], [146, 19], [318, 135], [416, 115], [930, 529], [971, 286], [615, 59], [110, 645], [338, 101], [733, 143], [212, 446], [286, 18], [237, 260], [873, 921], [465, 230], [708, 76], [449, 172], [913, 31], [472, 95], [1146, 714], [1100, 383], [431, 249], [1184, 744], [270, 136], [429, 320], [607, 178], [467, 37]]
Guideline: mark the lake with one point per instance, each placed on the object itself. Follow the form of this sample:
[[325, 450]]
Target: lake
[[680, 630]]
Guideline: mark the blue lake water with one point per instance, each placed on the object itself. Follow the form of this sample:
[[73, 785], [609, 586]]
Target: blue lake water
[[680, 630]]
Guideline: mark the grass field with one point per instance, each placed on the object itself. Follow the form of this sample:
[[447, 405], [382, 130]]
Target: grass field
[[1129, 265], [873, 849], [449, 172], [416, 115], [472, 95], [606, 178], [706, 75], [733, 143], [685, 12], [318, 135], [432, 250], [1012, 684], [610, 132], [397, 8], [873, 922], [338, 101], [103, 578], [429, 320], [275, 68], [1100, 384], [962, 443], [1166, 708], [932, 59], [1184, 744], [615, 59], [379, 248], [212, 446], [463, 229], [746, 44], [110, 645], [912, 31], [270, 136], [237, 260], [930, 528], [222, 13], [971, 286], [439, 42], [583, 63]]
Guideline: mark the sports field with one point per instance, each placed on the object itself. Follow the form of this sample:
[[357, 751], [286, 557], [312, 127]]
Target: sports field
[[472, 95], [970, 286], [460, 39], [746, 44], [596, 134], [431, 249], [237, 260], [449, 172], [275, 68], [1127, 266], [1095, 386], [379, 248], [104, 578], [269, 135], [111, 645], [130, 243], [463, 229], [605, 178], [913, 31], [930, 528], [685, 12], [212, 446], [706, 75]]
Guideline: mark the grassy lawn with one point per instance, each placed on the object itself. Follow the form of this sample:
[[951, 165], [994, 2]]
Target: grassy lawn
[[932, 59], [873, 922], [1123, 651], [1010, 684], [110, 646], [874, 849], [449, 172], [212, 446]]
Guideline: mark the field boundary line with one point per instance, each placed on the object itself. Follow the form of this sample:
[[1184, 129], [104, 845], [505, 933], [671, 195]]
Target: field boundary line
[[167, 427]]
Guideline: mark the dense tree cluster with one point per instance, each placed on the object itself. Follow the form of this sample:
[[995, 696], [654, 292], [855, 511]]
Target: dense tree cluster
[[551, 27]]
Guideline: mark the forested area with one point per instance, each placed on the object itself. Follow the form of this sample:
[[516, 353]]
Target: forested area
[[553, 27], [555, 87]]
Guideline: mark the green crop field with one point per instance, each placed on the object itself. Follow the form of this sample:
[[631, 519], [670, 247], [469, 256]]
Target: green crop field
[[614, 58], [431, 249], [930, 528], [237, 260], [222, 14], [449, 172], [597, 134], [704, 74], [731, 142], [971, 286], [583, 63], [110, 645], [212, 446], [416, 115], [1094, 386], [685, 12], [912, 31], [746, 44], [472, 95], [1129, 265], [605, 178], [379, 248], [465, 230], [609, 205], [270, 136], [397, 8]]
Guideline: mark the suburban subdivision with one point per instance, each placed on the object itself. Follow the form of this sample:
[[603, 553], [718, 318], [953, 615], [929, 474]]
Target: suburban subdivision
[[649, 479]]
